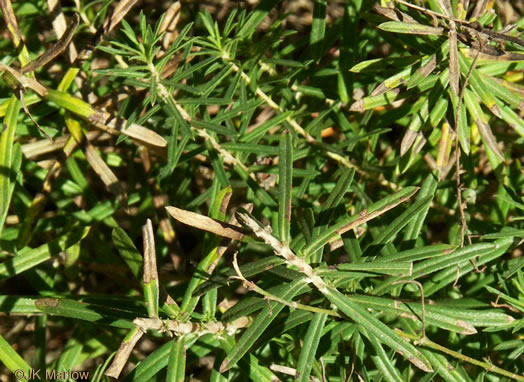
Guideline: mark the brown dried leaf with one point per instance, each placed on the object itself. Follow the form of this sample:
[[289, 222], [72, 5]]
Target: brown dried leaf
[[454, 71], [123, 353], [206, 223]]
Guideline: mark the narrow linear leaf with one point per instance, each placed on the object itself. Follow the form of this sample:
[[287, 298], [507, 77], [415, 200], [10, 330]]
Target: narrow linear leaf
[[428, 189], [211, 243], [250, 269], [384, 268], [260, 324], [429, 266], [88, 312], [256, 17], [29, 258], [128, 252], [346, 224], [309, 349], [318, 28], [377, 328], [176, 367], [10, 158], [382, 360], [285, 166], [389, 233], [443, 367], [12, 360]]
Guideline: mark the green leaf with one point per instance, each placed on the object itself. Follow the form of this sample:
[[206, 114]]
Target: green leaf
[[12, 360], [190, 301], [383, 268], [128, 252], [447, 261], [260, 324], [259, 131], [88, 312], [382, 360], [176, 367], [443, 367], [150, 366], [256, 17], [388, 234], [248, 270], [318, 28], [380, 64], [285, 179], [480, 120], [309, 349], [377, 328], [29, 258], [428, 189], [10, 159], [376, 209]]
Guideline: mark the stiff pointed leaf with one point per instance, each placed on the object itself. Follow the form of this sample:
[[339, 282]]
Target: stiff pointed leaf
[[248, 270], [380, 64], [454, 71], [256, 17], [443, 367], [444, 147], [428, 189], [211, 257], [435, 264]]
